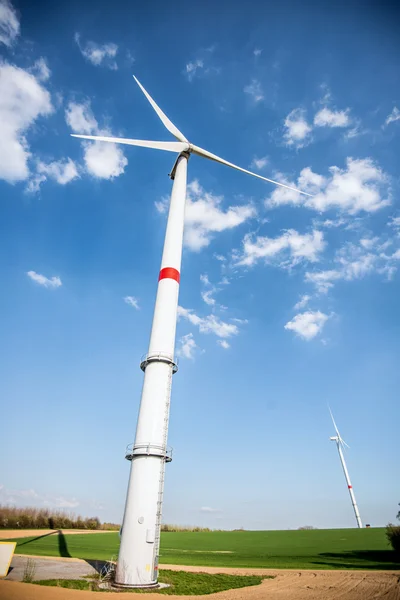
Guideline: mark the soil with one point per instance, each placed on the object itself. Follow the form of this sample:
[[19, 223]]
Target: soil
[[287, 585], [20, 533]]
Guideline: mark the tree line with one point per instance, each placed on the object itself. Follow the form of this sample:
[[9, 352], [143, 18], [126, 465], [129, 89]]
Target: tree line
[[12, 517]]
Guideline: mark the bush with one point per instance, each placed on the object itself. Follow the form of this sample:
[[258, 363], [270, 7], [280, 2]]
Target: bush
[[110, 526], [12, 517], [177, 528], [29, 571], [92, 523], [393, 535]]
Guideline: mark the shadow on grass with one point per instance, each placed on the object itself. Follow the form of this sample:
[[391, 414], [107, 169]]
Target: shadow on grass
[[62, 543], [361, 559], [36, 538]]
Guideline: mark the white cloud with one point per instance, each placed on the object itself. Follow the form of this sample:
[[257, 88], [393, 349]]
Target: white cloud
[[331, 223], [41, 69], [395, 222], [187, 346], [208, 293], [394, 116], [6, 494], [297, 129], [52, 283], [204, 217], [323, 280], [162, 205], [22, 101], [97, 54], [330, 118], [361, 186], [396, 255], [130, 59], [61, 502], [192, 68], [257, 51], [210, 324], [355, 261], [289, 248], [200, 66], [224, 344], [80, 118], [208, 509], [307, 324], [254, 90], [23, 497], [207, 297], [132, 301], [9, 23], [105, 161], [62, 171], [259, 163], [369, 243], [347, 270], [302, 303], [33, 185], [204, 279], [102, 160], [355, 131], [327, 97]]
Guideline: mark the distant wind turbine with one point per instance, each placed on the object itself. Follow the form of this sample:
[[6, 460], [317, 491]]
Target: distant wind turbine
[[340, 443], [137, 564]]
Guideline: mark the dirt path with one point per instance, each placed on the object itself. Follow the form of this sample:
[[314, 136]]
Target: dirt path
[[287, 585], [20, 533]]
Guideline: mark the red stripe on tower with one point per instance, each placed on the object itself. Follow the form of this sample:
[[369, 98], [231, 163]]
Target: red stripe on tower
[[350, 487], [169, 273]]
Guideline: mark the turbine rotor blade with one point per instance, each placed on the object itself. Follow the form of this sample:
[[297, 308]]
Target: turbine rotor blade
[[168, 146], [162, 116], [210, 156], [334, 424], [344, 443]]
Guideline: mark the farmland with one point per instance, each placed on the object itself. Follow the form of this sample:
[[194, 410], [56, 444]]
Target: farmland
[[314, 549]]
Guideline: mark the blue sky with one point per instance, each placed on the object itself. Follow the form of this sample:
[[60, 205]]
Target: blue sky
[[288, 303]]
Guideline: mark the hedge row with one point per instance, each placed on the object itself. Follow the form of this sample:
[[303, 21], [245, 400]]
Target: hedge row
[[12, 517]]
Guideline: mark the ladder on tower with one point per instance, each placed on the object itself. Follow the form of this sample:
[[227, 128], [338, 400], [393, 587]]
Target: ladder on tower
[[162, 477]]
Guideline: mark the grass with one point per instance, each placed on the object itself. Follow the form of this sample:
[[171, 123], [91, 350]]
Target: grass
[[181, 583], [71, 584], [315, 549]]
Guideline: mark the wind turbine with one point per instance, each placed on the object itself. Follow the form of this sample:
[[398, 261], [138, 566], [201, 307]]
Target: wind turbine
[[137, 564], [340, 443]]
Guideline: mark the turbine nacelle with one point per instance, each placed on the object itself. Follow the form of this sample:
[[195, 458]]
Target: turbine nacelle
[[337, 438], [181, 146]]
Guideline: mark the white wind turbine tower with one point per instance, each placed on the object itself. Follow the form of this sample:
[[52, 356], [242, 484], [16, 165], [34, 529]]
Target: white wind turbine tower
[[340, 443], [137, 564]]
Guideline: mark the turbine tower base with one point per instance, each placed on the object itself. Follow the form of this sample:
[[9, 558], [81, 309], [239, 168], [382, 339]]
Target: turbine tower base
[[145, 586]]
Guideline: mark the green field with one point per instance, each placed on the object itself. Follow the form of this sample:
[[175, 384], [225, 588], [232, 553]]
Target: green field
[[315, 549]]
